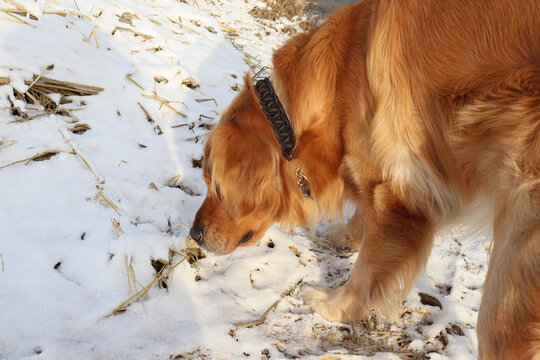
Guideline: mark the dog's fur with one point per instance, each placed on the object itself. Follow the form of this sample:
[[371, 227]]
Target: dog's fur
[[412, 110]]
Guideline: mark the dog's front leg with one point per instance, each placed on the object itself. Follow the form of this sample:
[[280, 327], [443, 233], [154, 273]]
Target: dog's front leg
[[348, 236], [396, 245]]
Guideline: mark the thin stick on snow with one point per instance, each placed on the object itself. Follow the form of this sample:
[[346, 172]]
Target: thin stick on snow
[[14, 17], [148, 116], [205, 100], [59, 13], [179, 23], [93, 33], [76, 13], [116, 225], [50, 67], [79, 154], [136, 33], [165, 102], [21, 10], [144, 290], [262, 319], [104, 199], [130, 272], [38, 157], [128, 76], [128, 275], [7, 144]]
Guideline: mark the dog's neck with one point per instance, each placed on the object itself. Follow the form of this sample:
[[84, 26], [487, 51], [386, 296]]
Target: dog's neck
[[305, 83], [311, 158], [273, 109]]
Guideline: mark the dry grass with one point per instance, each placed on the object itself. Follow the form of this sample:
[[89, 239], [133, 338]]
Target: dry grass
[[365, 338], [192, 253], [46, 155], [300, 12], [39, 93], [105, 200], [262, 318], [139, 294], [165, 102], [7, 143], [182, 25], [145, 37], [16, 10]]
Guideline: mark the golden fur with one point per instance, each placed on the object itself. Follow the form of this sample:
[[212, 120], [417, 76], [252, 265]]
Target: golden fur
[[412, 110]]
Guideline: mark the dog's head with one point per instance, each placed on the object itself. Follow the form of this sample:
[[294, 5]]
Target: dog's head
[[253, 183], [242, 169]]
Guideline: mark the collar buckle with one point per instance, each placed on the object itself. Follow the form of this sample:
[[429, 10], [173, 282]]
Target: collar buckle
[[303, 182]]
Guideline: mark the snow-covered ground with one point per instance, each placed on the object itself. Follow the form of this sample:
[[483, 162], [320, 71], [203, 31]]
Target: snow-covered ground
[[84, 225]]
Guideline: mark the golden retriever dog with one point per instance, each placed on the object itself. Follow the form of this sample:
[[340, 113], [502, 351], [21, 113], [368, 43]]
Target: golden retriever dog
[[412, 110]]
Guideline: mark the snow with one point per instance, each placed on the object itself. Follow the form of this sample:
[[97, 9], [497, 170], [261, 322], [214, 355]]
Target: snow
[[80, 229]]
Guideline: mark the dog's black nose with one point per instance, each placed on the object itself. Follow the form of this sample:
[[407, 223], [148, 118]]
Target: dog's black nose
[[247, 237], [196, 233]]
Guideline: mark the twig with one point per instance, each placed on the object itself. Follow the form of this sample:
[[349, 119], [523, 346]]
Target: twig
[[136, 33], [204, 100], [59, 13], [165, 102], [128, 76], [385, 333], [79, 154], [184, 26], [106, 200], [116, 225], [93, 33], [131, 278], [8, 144], [144, 290], [148, 116], [262, 319], [77, 13], [91, 89], [50, 67], [179, 125], [14, 17], [36, 101], [38, 157]]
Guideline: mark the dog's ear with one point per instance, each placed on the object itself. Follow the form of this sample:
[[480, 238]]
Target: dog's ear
[[248, 80], [250, 89]]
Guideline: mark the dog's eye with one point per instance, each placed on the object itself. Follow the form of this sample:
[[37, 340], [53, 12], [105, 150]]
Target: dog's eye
[[247, 237]]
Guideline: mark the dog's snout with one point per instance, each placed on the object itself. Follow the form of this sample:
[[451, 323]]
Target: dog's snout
[[196, 233]]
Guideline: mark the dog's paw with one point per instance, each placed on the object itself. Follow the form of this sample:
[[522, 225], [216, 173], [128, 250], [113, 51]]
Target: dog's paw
[[324, 301], [337, 235], [340, 238]]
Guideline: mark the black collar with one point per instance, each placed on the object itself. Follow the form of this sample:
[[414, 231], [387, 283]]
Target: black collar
[[276, 115]]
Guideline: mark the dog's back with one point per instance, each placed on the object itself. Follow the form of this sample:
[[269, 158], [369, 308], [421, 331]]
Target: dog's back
[[427, 62], [456, 88]]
